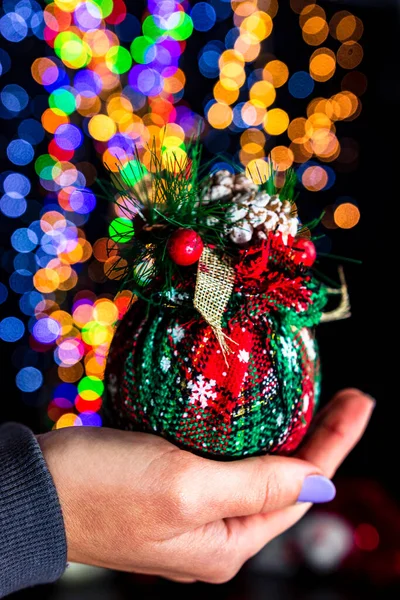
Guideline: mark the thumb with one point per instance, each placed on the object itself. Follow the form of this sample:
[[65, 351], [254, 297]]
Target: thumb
[[256, 485]]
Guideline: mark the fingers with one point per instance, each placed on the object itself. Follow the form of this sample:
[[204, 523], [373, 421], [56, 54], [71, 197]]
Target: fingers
[[246, 487], [337, 430]]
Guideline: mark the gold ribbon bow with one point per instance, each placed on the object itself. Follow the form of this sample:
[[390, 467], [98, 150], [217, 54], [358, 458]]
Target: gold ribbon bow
[[214, 285]]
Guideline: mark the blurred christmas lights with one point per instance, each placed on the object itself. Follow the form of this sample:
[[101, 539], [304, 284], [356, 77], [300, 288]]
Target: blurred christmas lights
[[117, 84]]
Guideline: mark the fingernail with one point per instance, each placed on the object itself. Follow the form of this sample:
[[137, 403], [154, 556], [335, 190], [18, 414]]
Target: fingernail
[[371, 398], [317, 489]]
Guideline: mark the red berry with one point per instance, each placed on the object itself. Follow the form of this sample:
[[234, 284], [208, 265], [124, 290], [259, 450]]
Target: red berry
[[185, 247], [304, 252]]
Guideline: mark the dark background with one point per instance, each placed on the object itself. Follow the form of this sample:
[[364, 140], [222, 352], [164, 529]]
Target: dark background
[[353, 351]]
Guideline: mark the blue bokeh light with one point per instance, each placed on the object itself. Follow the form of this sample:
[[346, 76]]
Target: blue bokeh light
[[3, 293], [11, 329], [301, 84], [12, 207], [29, 379], [31, 131], [203, 16], [24, 240], [29, 301], [46, 330], [14, 97], [21, 281], [5, 62], [13, 27], [20, 152], [16, 185]]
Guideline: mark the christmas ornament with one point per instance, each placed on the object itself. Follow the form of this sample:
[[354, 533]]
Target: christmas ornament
[[185, 247], [305, 252], [218, 352]]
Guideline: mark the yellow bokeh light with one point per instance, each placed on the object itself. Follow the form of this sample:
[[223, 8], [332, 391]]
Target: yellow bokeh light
[[325, 144], [102, 128], [322, 64], [253, 113], [259, 24], [67, 5], [232, 70], [264, 92], [230, 56], [347, 215], [119, 107], [282, 158], [174, 159], [276, 72], [309, 11], [95, 334], [46, 280], [276, 121], [220, 116], [105, 312], [297, 130], [248, 47], [67, 420], [64, 319], [258, 170], [315, 31], [224, 95], [252, 136]]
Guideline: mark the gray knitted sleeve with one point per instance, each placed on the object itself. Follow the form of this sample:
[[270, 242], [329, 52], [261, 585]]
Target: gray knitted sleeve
[[33, 547]]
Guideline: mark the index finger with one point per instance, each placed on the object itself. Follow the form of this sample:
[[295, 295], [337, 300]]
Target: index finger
[[337, 430]]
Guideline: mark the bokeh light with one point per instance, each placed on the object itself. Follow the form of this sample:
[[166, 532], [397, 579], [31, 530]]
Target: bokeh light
[[113, 83]]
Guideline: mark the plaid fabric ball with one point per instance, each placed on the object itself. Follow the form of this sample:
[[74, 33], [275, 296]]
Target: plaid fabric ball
[[167, 375]]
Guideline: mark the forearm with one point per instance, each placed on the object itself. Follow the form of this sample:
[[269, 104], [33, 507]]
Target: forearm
[[32, 536]]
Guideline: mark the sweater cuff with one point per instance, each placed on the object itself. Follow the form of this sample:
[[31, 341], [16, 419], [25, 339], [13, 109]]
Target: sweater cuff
[[33, 548]]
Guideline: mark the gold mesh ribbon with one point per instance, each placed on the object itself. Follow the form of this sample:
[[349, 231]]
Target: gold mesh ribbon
[[214, 285]]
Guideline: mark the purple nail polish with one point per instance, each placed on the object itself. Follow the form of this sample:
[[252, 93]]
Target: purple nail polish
[[317, 489]]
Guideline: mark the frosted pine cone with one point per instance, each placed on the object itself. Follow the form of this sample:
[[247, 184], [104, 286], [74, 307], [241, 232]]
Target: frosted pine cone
[[253, 213]]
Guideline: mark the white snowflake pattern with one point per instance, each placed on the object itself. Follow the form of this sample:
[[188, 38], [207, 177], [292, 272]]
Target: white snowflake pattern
[[289, 352], [244, 356], [279, 419], [202, 391], [165, 364], [309, 343], [177, 334]]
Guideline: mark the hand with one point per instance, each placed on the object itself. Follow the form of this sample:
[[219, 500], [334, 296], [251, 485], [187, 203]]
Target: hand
[[134, 502]]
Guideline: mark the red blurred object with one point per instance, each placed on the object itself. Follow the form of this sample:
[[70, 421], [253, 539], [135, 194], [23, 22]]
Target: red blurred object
[[56, 152], [185, 247], [118, 13], [305, 252], [375, 519]]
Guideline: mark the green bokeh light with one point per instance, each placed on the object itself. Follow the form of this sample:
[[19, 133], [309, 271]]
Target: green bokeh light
[[121, 230], [63, 100], [72, 50], [44, 166], [133, 172], [118, 60], [94, 384], [152, 29], [183, 28], [106, 7], [141, 49]]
